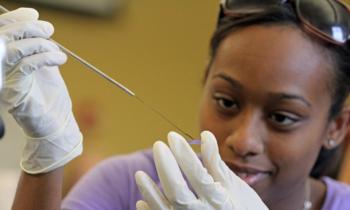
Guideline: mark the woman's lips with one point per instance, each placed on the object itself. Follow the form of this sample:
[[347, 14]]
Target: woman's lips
[[250, 174], [252, 179]]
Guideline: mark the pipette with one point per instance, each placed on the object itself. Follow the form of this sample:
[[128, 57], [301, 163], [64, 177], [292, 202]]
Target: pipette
[[116, 84]]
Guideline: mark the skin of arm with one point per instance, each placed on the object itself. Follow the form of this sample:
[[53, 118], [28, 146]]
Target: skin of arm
[[39, 192]]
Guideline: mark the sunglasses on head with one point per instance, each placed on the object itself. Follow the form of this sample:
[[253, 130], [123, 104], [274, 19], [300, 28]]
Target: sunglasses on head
[[327, 19]]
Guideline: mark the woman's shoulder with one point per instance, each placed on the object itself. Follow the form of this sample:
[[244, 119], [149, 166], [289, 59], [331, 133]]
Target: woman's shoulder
[[140, 160], [338, 194], [111, 184], [135, 157]]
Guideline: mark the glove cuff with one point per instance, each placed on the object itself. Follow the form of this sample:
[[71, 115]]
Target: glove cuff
[[42, 155]]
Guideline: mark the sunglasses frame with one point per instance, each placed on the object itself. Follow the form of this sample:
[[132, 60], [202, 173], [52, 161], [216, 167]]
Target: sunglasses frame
[[295, 3]]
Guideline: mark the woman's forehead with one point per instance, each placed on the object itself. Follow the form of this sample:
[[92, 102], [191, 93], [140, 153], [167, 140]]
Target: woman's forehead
[[278, 50], [273, 58]]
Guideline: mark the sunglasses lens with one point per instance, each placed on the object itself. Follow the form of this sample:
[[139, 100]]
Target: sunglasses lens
[[331, 18], [249, 6]]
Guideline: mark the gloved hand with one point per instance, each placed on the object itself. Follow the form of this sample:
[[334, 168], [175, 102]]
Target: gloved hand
[[35, 93], [214, 184]]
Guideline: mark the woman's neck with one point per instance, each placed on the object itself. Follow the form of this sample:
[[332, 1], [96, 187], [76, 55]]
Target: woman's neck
[[318, 193], [311, 189]]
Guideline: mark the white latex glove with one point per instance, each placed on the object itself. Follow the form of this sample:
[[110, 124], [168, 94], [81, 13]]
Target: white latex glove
[[35, 93], [215, 185]]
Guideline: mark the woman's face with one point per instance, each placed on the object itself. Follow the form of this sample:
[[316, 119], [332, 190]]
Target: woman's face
[[266, 99]]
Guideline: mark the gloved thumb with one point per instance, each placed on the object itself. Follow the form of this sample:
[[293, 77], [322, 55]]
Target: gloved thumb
[[21, 14], [212, 159], [142, 205]]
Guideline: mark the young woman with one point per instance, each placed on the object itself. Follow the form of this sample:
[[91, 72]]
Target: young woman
[[273, 97]]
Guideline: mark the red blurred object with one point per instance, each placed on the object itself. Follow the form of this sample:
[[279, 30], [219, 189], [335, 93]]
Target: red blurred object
[[87, 115]]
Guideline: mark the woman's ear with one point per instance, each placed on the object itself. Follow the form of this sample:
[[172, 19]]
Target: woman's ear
[[338, 129]]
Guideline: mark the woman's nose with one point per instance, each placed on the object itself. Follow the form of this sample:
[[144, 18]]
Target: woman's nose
[[246, 136]]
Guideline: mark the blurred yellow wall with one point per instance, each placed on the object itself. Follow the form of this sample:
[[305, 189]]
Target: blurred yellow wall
[[156, 48]]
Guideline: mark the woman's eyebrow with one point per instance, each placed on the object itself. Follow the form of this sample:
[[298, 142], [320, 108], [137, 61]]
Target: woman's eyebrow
[[273, 96], [288, 96], [234, 83]]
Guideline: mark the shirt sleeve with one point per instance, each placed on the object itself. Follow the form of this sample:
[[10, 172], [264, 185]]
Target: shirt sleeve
[[110, 185], [337, 196]]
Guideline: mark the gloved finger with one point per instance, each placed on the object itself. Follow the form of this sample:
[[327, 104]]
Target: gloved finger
[[26, 29], [150, 192], [174, 185], [18, 49], [213, 162], [142, 205], [200, 180], [32, 63], [224, 175], [20, 14]]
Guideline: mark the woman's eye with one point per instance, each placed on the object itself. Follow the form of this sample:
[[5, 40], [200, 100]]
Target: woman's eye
[[282, 119], [225, 102]]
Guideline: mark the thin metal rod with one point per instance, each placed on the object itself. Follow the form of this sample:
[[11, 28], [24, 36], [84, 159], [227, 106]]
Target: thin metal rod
[[94, 69], [87, 64], [3, 9], [163, 117]]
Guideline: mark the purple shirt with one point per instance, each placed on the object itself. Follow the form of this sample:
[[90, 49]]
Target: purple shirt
[[338, 195], [111, 186]]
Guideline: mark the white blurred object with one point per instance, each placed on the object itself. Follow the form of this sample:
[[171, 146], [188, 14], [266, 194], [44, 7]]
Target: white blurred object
[[2, 55], [11, 145], [8, 183], [100, 7]]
